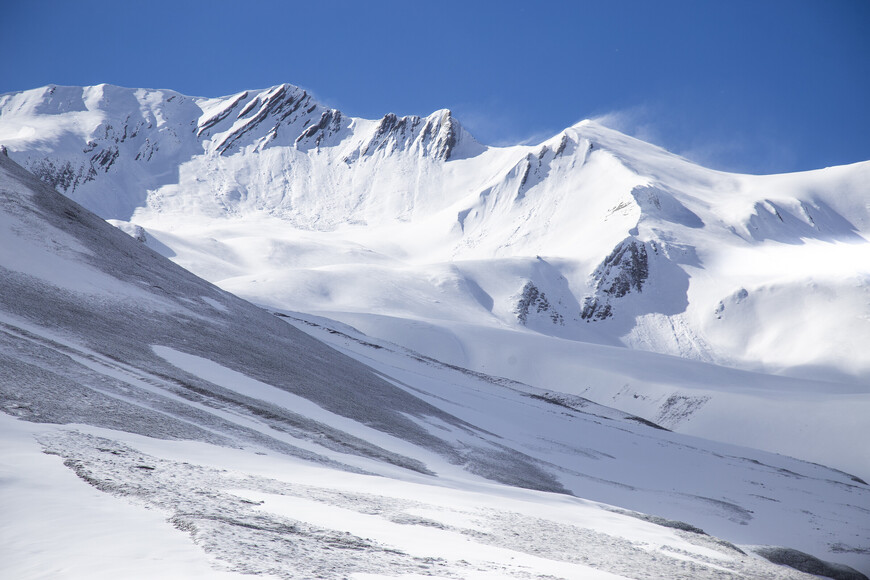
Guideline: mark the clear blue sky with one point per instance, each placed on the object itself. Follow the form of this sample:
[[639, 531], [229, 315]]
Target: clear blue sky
[[747, 85]]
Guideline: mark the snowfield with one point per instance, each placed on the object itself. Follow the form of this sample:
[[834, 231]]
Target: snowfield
[[278, 518], [585, 358]]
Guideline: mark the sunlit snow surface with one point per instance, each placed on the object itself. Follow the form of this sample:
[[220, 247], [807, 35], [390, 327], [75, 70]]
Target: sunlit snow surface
[[272, 516], [371, 227]]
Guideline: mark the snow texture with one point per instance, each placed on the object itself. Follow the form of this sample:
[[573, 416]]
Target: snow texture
[[575, 269]]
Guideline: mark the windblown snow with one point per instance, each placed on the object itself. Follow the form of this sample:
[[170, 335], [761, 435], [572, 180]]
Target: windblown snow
[[416, 398]]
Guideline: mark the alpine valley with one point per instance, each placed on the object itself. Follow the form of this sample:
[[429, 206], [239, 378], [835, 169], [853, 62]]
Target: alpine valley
[[251, 335]]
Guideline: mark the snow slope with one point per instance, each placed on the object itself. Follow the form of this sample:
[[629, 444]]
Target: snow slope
[[529, 262], [277, 455], [652, 251]]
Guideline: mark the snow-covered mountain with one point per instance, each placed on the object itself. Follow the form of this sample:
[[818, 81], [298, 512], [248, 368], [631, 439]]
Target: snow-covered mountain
[[613, 215], [112, 149], [281, 456], [529, 262], [591, 266]]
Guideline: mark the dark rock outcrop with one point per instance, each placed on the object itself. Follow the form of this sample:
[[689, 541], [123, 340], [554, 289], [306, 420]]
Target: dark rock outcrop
[[532, 300], [625, 270]]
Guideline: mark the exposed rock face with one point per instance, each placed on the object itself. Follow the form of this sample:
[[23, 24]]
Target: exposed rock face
[[329, 124], [62, 175], [441, 135], [623, 271], [532, 301], [264, 116], [434, 136], [102, 152]]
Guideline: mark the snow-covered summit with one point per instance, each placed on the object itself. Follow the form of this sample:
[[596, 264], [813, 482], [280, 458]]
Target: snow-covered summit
[[109, 147], [626, 215]]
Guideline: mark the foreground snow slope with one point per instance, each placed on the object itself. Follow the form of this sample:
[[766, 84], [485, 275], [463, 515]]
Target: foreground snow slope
[[282, 456]]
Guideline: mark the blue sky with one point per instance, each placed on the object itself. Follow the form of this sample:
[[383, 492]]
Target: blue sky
[[757, 86]]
